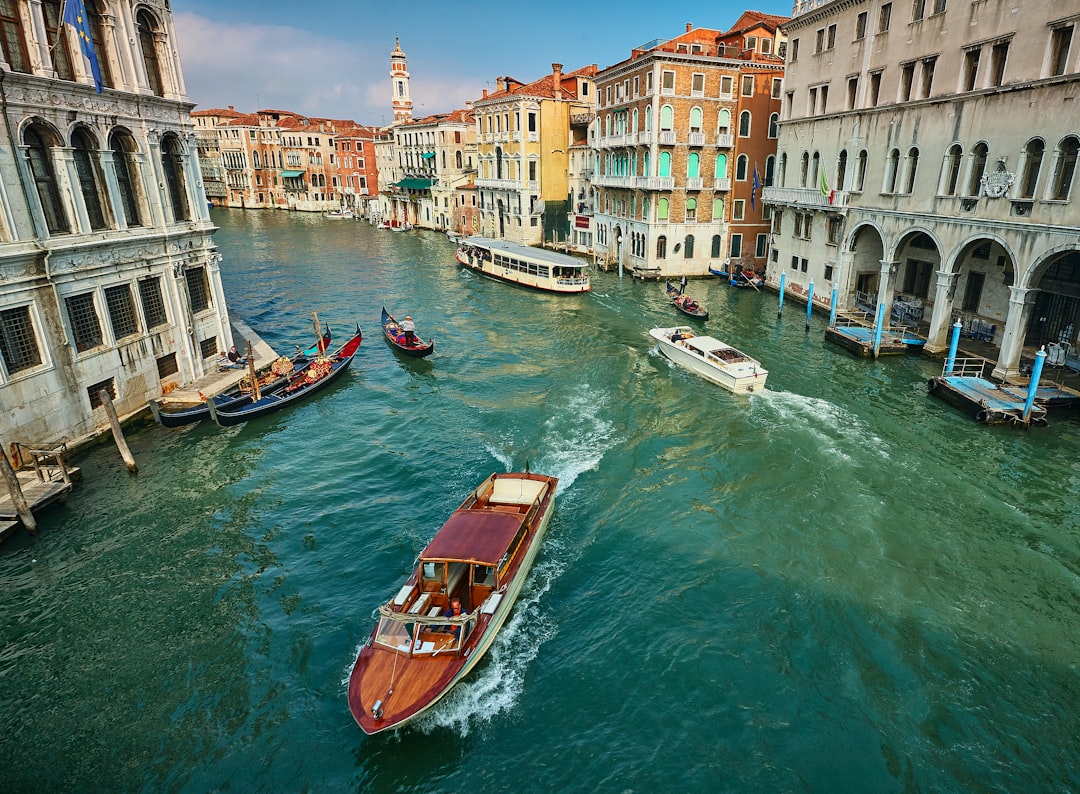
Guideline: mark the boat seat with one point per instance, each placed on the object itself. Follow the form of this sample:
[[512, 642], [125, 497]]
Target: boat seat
[[420, 604], [434, 612]]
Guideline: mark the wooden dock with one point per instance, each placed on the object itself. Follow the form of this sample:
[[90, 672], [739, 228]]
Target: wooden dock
[[49, 479]]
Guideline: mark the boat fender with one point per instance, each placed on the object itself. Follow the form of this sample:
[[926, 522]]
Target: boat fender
[[982, 417], [932, 384]]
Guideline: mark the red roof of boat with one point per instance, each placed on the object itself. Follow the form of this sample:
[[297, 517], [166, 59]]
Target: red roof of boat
[[475, 536]]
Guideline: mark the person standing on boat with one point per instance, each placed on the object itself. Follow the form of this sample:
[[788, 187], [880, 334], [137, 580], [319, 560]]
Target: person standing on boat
[[682, 284], [408, 327]]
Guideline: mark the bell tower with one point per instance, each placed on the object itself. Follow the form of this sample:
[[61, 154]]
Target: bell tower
[[399, 75]]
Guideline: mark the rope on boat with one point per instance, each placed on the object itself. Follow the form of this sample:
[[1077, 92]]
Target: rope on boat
[[385, 611]]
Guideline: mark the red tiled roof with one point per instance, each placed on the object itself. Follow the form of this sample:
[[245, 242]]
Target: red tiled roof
[[545, 86]]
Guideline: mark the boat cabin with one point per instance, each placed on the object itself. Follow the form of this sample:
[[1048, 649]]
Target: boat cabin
[[471, 558]]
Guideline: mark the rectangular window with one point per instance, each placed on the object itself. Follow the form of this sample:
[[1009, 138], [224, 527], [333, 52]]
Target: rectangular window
[[761, 245], [751, 43], [748, 85], [208, 348], [1060, 43], [828, 272], [198, 289], [852, 91], [833, 226], [971, 68], [884, 18], [797, 229], [727, 85], [811, 102], [736, 245], [667, 82], [794, 50], [860, 26], [918, 10], [907, 75], [830, 37], [875, 89], [766, 46], [648, 82], [794, 263], [94, 392], [18, 343], [532, 122], [166, 366], [738, 209], [928, 66], [697, 84], [999, 53], [637, 85], [777, 83], [819, 40], [803, 263], [82, 315], [939, 6], [973, 292], [121, 310]]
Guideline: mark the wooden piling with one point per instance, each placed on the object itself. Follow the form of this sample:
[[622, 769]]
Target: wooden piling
[[22, 508], [118, 434]]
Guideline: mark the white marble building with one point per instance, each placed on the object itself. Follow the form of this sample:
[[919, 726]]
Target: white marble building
[[108, 273]]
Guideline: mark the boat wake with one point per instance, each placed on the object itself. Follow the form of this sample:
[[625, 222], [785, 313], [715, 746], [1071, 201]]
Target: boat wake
[[497, 683], [832, 428]]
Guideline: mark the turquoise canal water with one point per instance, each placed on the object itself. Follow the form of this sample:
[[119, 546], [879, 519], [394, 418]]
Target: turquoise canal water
[[840, 584]]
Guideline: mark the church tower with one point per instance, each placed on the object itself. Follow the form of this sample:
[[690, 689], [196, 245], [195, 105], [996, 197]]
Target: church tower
[[399, 74]]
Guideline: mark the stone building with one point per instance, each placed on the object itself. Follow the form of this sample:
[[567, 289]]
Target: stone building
[[525, 132], [108, 273], [673, 112], [928, 150]]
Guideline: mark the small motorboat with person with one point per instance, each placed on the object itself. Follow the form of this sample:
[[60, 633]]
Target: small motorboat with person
[[685, 303], [478, 561], [711, 359], [404, 339], [316, 374]]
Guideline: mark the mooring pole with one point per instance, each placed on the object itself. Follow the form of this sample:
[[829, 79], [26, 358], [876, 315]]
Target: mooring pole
[[832, 308], [954, 343], [780, 307], [878, 321], [118, 434], [809, 304], [22, 508], [1033, 386]]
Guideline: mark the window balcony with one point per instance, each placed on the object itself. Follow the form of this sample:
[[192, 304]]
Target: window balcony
[[667, 137], [805, 197], [725, 140], [693, 183], [722, 183], [697, 139]]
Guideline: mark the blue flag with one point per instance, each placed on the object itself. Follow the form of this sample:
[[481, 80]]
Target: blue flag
[[76, 16], [756, 187]]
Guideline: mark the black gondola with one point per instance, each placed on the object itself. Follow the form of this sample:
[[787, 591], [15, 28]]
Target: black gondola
[[317, 374], [270, 381], [393, 334], [686, 304]]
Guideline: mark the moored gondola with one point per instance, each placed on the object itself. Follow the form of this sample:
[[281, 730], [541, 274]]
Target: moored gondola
[[398, 339]]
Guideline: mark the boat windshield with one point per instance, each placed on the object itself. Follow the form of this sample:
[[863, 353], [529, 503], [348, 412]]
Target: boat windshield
[[422, 634]]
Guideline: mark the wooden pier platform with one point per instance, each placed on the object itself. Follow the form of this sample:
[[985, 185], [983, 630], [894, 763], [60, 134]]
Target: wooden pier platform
[[49, 480]]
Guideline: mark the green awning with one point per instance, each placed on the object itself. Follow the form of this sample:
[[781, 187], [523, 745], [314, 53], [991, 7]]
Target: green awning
[[415, 184], [428, 155], [293, 174]]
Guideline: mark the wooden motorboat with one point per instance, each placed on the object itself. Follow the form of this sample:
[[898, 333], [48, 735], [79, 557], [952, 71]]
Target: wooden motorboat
[[393, 334], [316, 374], [481, 556], [711, 359], [273, 378], [685, 303]]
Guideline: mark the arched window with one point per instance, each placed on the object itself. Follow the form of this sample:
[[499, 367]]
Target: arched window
[[662, 209], [774, 125], [688, 247], [978, 165], [633, 121], [714, 250], [742, 166], [148, 28], [123, 149], [255, 158], [97, 34], [744, 124], [1066, 168], [695, 119], [665, 164], [841, 170], [804, 172], [57, 34], [648, 163], [498, 162], [457, 159], [892, 165], [1031, 163], [173, 167], [723, 122], [692, 165], [815, 168], [691, 209], [912, 168], [39, 144], [661, 241], [11, 37], [648, 118], [721, 167], [860, 172], [85, 155], [770, 170], [667, 118], [718, 210]]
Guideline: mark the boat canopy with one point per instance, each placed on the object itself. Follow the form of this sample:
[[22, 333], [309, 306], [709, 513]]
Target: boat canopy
[[475, 536]]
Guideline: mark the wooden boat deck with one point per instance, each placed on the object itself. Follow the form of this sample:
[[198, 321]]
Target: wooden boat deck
[[859, 339]]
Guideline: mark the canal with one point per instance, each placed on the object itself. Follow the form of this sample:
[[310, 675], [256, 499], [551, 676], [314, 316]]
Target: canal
[[839, 584]]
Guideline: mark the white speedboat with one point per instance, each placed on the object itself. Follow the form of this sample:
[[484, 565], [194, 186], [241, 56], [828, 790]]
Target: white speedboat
[[711, 359]]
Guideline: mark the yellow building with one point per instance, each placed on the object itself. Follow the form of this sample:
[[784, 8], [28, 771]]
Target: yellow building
[[524, 135]]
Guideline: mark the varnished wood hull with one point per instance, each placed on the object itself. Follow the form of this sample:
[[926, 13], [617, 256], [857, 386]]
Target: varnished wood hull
[[407, 686]]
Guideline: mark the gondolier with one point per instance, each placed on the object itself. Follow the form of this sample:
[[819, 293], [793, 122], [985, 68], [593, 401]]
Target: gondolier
[[408, 327]]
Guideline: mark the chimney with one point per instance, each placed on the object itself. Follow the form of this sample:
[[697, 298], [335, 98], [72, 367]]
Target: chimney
[[231, 108], [485, 94], [556, 74], [689, 26]]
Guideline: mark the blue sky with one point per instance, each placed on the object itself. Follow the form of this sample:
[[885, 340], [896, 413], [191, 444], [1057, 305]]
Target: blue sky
[[332, 57]]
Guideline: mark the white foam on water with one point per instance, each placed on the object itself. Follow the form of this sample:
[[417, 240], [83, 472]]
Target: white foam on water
[[576, 438], [835, 428], [501, 455], [494, 687]]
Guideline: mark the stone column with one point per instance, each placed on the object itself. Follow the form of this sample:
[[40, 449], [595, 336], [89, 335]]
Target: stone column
[[941, 320], [885, 289], [66, 179], [1021, 301], [153, 177]]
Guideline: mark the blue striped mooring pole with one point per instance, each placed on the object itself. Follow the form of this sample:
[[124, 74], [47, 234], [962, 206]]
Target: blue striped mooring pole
[[1036, 373], [780, 307], [809, 304], [877, 327], [832, 308], [954, 343]]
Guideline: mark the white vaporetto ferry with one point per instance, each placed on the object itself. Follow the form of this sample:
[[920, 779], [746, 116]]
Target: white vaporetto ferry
[[521, 264]]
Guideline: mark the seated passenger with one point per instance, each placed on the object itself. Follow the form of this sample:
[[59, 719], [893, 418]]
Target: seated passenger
[[454, 611]]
